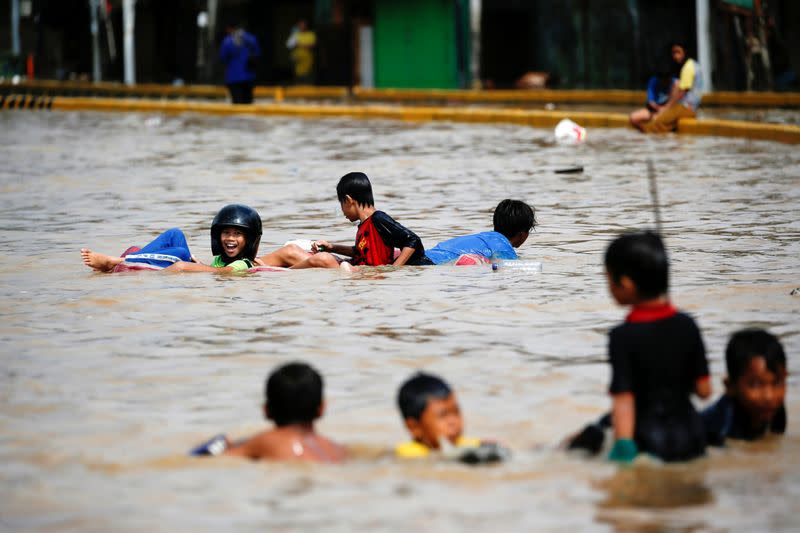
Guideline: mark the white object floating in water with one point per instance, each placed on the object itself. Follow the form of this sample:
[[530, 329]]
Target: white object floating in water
[[518, 265], [305, 244], [569, 132]]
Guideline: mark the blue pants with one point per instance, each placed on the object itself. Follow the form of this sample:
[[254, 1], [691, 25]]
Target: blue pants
[[166, 249]]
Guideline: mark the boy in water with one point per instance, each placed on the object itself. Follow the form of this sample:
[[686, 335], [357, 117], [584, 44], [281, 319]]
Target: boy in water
[[657, 358], [513, 221], [755, 389], [293, 402], [235, 236], [432, 416], [377, 236]]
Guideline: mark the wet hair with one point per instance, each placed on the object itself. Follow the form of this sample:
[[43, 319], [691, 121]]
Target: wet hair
[[643, 258], [413, 396], [293, 394], [356, 185], [746, 344], [512, 217]]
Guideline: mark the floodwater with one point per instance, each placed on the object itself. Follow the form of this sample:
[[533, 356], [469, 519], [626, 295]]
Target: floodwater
[[107, 380]]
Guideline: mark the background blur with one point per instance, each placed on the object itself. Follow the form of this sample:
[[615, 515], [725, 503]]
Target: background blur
[[750, 44]]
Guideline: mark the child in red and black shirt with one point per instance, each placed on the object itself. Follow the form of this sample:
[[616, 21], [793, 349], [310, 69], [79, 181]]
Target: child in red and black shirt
[[657, 361], [378, 234], [657, 357]]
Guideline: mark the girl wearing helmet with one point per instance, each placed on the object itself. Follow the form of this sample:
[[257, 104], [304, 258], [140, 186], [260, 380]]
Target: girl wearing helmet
[[235, 236]]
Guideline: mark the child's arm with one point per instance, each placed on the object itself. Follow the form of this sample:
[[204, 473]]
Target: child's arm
[[240, 449], [183, 266], [339, 249], [398, 236], [405, 255], [623, 415], [623, 418]]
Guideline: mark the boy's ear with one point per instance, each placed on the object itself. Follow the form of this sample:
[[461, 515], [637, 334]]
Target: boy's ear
[[414, 428], [266, 411], [627, 283], [321, 410]]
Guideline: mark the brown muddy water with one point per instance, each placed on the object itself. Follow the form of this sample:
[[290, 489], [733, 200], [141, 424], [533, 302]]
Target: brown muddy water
[[107, 380]]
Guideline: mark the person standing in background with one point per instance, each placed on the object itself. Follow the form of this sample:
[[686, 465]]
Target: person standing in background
[[301, 43], [239, 53]]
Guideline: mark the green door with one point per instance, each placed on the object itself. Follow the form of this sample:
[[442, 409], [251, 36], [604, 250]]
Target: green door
[[415, 44]]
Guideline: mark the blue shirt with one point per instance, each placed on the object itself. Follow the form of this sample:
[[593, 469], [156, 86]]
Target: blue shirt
[[489, 244], [655, 92], [235, 50]]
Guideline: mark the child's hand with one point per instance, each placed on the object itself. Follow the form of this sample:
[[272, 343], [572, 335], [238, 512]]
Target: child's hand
[[624, 451], [320, 246], [196, 260]]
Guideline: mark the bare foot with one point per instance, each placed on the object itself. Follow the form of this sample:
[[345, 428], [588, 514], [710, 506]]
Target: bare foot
[[97, 261]]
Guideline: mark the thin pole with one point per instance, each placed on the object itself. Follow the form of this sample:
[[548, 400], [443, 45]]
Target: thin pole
[[651, 176], [96, 73], [704, 42], [475, 31], [212, 34], [129, 25], [112, 46], [15, 45]]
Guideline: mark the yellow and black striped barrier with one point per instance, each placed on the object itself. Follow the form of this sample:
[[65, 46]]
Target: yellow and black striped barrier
[[534, 118], [25, 101]]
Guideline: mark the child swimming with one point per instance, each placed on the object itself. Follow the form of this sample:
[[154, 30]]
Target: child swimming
[[377, 236], [235, 236], [657, 358], [432, 416], [294, 400], [755, 388], [513, 221]]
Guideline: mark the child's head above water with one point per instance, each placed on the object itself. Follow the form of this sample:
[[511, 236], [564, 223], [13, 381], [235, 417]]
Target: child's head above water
[[637, 267], [235, 233], [293, 395], [756, 378], [430, 410], [356, 185], [514, 219]]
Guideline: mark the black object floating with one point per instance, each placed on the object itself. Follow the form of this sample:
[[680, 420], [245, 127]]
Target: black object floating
[[577, 169]]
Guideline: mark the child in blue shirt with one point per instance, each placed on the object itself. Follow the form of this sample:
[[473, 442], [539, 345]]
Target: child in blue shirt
[[513, 222], [755, 389]]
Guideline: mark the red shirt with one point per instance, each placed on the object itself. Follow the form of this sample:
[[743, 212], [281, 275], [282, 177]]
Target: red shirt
[[370, 248]]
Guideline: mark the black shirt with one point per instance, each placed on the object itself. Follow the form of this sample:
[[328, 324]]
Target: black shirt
[[396, 235], [726, 419], [659, 360]]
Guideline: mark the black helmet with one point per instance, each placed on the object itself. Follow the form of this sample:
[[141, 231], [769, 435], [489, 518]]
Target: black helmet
[[237, 216]]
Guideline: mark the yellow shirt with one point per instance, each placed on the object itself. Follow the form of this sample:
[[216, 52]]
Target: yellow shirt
[[303, 53], [414, 449], [691, 81], [687, 75]]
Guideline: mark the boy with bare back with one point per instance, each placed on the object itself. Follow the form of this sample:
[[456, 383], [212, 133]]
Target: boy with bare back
[[293, 402]]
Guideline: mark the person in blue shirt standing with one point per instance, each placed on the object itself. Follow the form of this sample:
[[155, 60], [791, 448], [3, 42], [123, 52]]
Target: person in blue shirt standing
[[513, 221], [239, 52]]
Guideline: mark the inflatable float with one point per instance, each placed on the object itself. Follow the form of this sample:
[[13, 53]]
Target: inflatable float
[[463, 260]]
